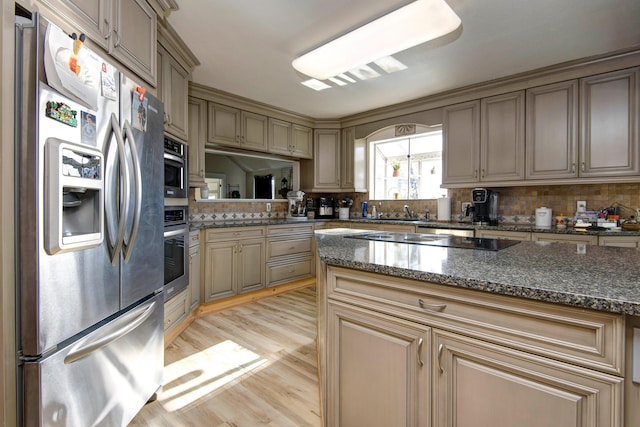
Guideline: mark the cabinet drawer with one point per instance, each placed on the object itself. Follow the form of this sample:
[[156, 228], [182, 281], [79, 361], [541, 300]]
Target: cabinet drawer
[[278, 273], [175, 309], [498, 234], [288, 247], [586, 337], [234, 233], [565, 238], [289, 229]]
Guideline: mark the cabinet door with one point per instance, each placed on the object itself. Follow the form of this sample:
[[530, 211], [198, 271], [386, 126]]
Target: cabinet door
[[326, 159], [502, 138], [220, 270], [565, 238], [197, 138], [378, 371], [194, 276], [175, 81], [552, 131], [251, 265], [91, 17], [134, 37], [509, 235], [223, 125], [461, 143], [620, 241], [479, 384], [302, 141], [347, 166], [609, 139], [254, 134], [280, 137]]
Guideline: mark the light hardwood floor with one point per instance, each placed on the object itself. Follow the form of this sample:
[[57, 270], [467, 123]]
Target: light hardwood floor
[[247, 366]]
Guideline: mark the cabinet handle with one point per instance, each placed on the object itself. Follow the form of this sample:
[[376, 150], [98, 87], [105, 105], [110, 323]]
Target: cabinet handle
[[440, 348], [475, 174], [482, 173], [241, 247], [433, 307], [117, 42], [573, 168], [420, 342], [108, 28], [582, 166], [169, 118]]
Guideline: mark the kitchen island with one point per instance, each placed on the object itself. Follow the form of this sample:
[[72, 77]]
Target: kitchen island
[[535, 334]]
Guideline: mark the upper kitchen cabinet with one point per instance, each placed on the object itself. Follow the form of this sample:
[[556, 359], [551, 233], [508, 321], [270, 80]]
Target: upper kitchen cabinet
[[609, 105], [197, 140], [233, 127], [552, 131], [175, 64], [323, 172], [502, 137], [126, 29], [461, 143], [290, 139], [353, 162], [483, 141]]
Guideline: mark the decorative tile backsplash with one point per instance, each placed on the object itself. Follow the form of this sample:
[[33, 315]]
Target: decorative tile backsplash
[[516, 205]]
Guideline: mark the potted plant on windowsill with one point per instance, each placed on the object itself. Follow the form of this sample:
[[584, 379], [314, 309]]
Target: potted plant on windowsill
[[396, 168]]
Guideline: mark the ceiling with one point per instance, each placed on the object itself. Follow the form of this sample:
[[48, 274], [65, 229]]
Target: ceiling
[[245, 47]]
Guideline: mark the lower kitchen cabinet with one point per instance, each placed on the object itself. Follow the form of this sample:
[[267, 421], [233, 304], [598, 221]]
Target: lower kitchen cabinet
[[175, 310], [195, 288], [399, 352], [379, 369], [289, 253], [480, 384], [234, 262]]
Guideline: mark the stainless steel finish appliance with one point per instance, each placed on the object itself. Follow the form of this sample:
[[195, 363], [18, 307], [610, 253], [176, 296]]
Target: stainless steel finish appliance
[[485, 206], [176, 171], [89, 246], [176, 252]]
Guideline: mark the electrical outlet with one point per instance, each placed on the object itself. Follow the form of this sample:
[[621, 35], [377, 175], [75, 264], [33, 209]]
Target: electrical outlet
[[268, 207]]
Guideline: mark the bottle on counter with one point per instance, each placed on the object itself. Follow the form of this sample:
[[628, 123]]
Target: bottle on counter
[[364, 209], [374, 213]]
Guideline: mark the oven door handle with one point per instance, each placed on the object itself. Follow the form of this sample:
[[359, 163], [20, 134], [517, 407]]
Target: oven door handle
[[175, 233], [174, 158], [137, 196], [113, 219]]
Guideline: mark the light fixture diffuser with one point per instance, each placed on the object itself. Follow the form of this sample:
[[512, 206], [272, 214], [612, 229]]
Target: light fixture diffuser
[[409, 26]]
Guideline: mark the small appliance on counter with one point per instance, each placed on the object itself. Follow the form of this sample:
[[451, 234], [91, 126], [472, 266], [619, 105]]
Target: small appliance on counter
[[325, 208], [543, 217], [297, 208], [485, 207]]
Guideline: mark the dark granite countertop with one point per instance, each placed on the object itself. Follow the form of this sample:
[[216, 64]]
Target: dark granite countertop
[[594, 277]]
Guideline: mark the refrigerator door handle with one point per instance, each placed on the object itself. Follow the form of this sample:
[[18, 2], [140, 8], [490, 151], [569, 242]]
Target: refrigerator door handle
[[112, 218], [128, 247], [124, 325]]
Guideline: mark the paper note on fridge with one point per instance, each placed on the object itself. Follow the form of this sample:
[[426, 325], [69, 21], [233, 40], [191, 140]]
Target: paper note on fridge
[[75, 73]]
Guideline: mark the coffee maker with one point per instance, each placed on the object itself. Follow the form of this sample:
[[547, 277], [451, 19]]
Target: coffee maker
[[485, 207], [325, 207]]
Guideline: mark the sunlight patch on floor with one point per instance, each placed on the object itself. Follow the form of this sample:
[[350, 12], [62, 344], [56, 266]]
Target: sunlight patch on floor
[[208, 370]]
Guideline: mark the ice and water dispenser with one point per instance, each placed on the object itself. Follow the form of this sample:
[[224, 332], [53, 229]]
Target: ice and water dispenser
[[73, 196]]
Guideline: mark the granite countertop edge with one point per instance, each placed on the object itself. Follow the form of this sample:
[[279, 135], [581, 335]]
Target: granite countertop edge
[[532, 293]]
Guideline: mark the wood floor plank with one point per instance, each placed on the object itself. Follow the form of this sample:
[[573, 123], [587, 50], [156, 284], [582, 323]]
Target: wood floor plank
[[250, 365]]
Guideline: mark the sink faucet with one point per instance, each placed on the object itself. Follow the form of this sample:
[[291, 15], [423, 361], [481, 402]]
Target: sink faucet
[[410, 213]]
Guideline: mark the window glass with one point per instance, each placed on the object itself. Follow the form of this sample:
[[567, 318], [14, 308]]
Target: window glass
[[408, 167]]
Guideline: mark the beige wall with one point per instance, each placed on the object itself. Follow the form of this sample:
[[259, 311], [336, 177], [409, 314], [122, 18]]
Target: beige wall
[[7, 298]]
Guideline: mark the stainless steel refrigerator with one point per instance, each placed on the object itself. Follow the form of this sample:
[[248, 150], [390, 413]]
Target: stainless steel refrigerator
[[89, 197]]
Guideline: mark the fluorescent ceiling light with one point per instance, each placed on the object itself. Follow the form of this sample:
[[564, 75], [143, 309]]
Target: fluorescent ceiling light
[[316, 84], [345, 77], [409, 26], [338, 81]]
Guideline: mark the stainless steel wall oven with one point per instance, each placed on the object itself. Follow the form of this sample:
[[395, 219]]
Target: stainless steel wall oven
[[176, 172], [176, 250]]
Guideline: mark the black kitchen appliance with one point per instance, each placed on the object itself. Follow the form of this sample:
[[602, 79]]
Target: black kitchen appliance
[[485, 206], [325, 207]]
